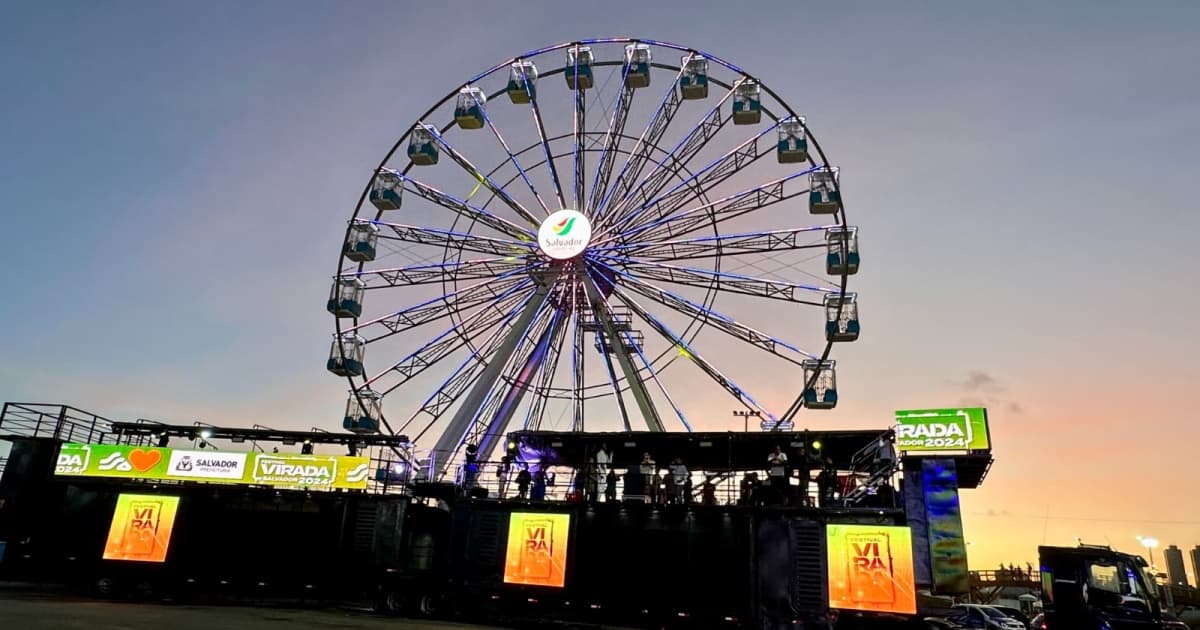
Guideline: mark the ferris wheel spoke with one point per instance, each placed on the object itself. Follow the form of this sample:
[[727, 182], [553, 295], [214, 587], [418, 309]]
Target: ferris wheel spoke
[[728, 207], [578, 152], [648, 365], [482, 178], [450, 340], [703, 180], [443, 306], [643, 149], [541, 130], [451, 240], [723, 245], [456, 384], [430, 273], [612, 138], [464, 209], [577, 374], [511, 156], [678, 157], [711, 317], [690, 353], [729, 282]]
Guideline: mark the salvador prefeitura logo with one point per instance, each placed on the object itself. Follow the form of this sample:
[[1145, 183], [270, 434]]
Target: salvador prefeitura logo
[[564, 234]]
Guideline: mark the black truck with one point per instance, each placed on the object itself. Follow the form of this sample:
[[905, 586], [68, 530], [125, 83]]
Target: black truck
[[1096, 588]]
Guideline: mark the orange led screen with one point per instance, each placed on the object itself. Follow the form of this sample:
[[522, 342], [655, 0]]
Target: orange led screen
[[141, 528], [537, 549], [871, 568]]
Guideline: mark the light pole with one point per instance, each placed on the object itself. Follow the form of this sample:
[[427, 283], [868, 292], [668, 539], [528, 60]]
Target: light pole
[[745, 415], [1149, 542]]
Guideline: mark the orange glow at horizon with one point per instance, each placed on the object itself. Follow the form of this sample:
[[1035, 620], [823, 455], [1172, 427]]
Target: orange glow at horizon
[[141, 528], [537, 549]]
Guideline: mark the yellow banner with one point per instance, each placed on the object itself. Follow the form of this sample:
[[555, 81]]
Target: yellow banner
[[871, 568], [141, 528], [537, 549]]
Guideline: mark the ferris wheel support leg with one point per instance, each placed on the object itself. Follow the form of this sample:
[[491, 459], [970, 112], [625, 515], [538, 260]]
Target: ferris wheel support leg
[[448, 442], [495, 429], [600, 308]]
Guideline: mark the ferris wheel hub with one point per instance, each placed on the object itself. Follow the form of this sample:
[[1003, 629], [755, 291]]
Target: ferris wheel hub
[[564, 234]]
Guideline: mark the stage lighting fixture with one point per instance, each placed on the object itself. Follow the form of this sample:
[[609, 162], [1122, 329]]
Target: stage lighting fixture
[[352, 448], [307, 448], [205, 434], [816, 445], [163, 440], [472, 453]]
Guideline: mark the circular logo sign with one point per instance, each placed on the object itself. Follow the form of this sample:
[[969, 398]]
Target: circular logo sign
[[564, 234]]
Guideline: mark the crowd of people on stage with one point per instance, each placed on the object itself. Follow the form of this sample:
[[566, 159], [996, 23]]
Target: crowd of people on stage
[[787, 482]]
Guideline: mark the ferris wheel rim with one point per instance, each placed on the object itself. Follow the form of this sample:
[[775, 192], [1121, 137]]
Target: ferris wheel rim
[[840, 213]]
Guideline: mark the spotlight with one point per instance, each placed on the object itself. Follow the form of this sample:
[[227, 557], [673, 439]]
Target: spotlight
[[472, 453], [352, 448], [306, 448], [205, 434], [163, 440], [816, 445]]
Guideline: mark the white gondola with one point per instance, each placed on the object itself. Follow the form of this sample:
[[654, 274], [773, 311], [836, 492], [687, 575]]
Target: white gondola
[[422, 149], [346, 355], [822, 394], [346, 297], [578, 70], [841, 317], [364, 416], [747, 103], [637, 65], [468, 111], [793, 144], [386, 189], [361, 241], [841, 250], [522, 82], [823, 194], [693, 84]]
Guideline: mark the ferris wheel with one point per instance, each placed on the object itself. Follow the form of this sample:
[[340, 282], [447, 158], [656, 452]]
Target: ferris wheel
[[609, 234]]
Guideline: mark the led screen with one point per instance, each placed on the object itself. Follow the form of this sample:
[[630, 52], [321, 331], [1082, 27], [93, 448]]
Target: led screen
[[537, 549], [871, 568], [942, 430], [141, 528]]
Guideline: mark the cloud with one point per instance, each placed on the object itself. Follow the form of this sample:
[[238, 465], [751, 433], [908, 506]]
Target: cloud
[[982, 389], [980, 381]]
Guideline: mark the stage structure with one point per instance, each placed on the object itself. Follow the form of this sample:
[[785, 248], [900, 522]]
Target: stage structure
[[577, 238]]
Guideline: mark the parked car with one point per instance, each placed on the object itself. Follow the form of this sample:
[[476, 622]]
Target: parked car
[[1014, 613], [984, 617]]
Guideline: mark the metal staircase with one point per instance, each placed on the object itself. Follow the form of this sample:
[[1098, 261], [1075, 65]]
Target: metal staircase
[[876, 464]]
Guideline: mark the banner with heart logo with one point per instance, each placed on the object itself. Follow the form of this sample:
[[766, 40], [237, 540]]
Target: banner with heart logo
[[310, 472]]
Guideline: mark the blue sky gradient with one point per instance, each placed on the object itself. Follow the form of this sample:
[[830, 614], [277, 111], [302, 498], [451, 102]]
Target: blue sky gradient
[[175, 179]]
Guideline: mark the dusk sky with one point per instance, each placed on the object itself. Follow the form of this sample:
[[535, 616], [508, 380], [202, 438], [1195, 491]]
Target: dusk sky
[[175, 180]]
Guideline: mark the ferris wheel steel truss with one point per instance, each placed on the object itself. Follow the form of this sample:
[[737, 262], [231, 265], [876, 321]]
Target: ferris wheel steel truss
[[515, 311]]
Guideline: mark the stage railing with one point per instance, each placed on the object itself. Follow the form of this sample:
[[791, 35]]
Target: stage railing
[[59, 422], [738, 487]]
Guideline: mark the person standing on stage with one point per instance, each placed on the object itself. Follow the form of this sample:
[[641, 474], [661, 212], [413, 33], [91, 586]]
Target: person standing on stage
[[777, 472]]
